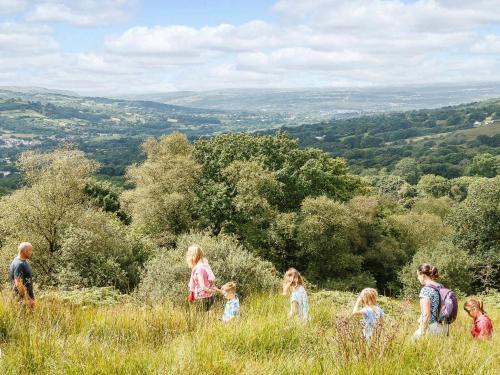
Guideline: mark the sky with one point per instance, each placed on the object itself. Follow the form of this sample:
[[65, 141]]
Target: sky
[[113, 47]]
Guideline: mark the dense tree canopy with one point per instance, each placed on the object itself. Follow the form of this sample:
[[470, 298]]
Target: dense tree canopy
[[253, 201]]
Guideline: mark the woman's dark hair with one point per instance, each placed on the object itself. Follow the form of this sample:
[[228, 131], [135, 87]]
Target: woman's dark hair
[[429, 270]]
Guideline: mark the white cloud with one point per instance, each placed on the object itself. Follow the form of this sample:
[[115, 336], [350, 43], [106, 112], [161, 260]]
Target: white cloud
[[490, 44], [11, 6], [377, 16], [312, 43], [189, 41], [21, 41], [83, 13]]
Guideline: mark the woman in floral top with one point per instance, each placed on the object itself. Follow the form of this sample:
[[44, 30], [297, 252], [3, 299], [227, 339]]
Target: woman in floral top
[[429, 302]]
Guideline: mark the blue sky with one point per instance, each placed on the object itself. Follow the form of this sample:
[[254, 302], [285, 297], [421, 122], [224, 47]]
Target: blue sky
[[195, 13], [134, 46]]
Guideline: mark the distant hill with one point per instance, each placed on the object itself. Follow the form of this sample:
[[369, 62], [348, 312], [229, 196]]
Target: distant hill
[[443, 140], [109, 130], [37, 90], [322, 104]]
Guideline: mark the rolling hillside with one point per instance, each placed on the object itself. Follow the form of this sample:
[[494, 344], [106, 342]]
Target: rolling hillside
[[443, 140]]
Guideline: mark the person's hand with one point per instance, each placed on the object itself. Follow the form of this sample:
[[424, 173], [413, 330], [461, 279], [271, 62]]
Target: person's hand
[[31, 303]]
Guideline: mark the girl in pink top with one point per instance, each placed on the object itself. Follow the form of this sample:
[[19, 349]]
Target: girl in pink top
[[482, 328], [201, 283]]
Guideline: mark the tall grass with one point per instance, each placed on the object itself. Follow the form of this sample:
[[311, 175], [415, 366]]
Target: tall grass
[[61, 338]]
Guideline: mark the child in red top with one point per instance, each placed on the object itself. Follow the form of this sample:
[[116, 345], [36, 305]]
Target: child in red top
[[482, 328]]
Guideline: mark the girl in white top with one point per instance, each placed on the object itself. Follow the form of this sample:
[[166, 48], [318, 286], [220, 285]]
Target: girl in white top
[[293, 285], [371, 313]]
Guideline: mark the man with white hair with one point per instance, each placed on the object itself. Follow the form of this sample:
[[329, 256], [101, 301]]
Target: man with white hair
[[20, 275]]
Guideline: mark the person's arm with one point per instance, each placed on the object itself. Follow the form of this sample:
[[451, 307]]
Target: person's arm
[[294, 309], [356, 310], [425, 316], [18, 282], [201, 282], [381, 320]]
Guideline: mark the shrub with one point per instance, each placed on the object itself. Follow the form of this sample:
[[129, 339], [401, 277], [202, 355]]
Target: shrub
[[433, 186], [166, 276], [99, 252], [437, 206]]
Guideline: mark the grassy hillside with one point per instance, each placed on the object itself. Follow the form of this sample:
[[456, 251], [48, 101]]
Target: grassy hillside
[[442, 140], [64, 338]]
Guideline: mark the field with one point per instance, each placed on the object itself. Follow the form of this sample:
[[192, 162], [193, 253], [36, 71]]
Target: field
[[66, 337]]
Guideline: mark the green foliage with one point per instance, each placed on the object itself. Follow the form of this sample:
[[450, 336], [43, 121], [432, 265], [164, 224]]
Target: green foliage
[[408, 169], [41, 211], [166, 275], [476, 222], [254, 190], [454, 265], [104, 195], [301, 173], [437, 206], [460, 187], [162, 202], [99, 252], [75, 244], [442, 141], [393, 187], [417, 230], [485, 165], [326, 233], [433, 186]]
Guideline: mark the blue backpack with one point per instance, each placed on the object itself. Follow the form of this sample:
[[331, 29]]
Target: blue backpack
[[448, 304]]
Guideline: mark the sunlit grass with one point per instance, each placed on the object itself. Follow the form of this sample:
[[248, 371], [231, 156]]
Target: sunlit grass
[[129, 338]]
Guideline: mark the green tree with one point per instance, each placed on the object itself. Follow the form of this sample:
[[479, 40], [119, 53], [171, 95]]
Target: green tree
[[434, 186], [408, 169], [106, 196], [327, 233], [162, 204], [437, 206], [98, 251], [51, 201], [485, 165], [254, 189], [301, 173], [415, 230], [476, 222]]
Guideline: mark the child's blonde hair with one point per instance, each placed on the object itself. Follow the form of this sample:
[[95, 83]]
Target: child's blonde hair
[[296, 280], [473, 303], [369, 296], [230, 286], [194, 255]]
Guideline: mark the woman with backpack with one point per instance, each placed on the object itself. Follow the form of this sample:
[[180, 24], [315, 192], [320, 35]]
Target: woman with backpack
[[431, 317]]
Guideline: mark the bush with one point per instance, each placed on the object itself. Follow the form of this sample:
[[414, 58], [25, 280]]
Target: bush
[[99, 252], [437, 206], [166, 276], [454, 267], [433, 186]]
